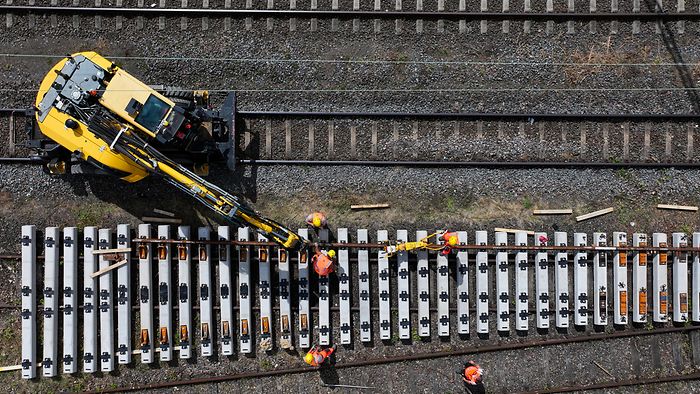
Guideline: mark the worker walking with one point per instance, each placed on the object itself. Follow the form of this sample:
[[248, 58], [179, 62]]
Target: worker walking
[[323, 262], [317, 220], [450, 240], [472, 378], [317, 355]]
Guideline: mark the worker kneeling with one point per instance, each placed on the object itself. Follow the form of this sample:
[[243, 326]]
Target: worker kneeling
[[317, 356], [317, 220], [323, 262]]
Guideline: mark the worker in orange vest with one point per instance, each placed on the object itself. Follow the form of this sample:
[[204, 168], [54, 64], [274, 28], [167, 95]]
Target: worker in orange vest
[[323, 262], [472, 377], [450, 240], [317, 220], [317, 355]]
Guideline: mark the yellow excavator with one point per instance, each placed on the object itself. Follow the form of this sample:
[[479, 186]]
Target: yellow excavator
[[94, 112]]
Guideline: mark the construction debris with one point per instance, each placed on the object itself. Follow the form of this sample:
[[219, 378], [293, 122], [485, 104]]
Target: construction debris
[[266, 344], [160, 220], [164, 213], [594, 214], [552, 211], [286, 344], [513, 230], [678, 207], [369, 206], [108, 268]]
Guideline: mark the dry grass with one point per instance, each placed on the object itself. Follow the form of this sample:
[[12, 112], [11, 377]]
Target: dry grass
[[600, 55]]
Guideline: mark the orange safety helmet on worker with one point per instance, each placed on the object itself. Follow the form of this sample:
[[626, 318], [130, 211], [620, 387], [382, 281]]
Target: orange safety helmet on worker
[[317, 220], [451, 239], [472, 373], [317, 356], [323, 262]]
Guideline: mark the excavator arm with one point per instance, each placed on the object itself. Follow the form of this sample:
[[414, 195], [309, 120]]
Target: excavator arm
[[129, 144]]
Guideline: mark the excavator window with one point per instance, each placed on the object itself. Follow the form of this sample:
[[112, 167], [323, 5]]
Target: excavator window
[[152, 113]]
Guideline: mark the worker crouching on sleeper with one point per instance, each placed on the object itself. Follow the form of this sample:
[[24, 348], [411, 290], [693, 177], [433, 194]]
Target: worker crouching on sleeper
[[450, 240], [472, 376], [317, 220], [317, 355], [323, 262]]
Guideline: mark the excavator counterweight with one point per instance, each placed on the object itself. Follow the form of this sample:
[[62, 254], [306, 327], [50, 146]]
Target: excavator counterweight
[[100, 115]]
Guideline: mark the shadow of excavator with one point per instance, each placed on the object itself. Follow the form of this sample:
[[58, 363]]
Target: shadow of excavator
[[684, 72], [140, 198]]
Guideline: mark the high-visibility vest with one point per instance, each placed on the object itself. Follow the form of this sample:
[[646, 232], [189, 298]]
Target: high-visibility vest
[[319, 356], [323, 265]]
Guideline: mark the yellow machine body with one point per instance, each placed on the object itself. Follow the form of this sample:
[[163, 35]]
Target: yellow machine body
[[80, 141]]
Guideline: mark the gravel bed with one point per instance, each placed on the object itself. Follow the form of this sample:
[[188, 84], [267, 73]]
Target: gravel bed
[[466, 199]]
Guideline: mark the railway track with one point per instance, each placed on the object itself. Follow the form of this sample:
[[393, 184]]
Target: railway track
[[497, 140], [635, 13], [470, 351], [366, 302]]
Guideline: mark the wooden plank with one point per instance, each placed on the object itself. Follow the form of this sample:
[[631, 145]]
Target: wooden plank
[[513, 230], [111, 251], [160, 220], [678, 207], [369, 206], [594, 214], [164, 213], [108, 268], [552, 212]]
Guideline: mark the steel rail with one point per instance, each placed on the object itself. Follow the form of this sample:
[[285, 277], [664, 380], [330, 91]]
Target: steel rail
[[20, 160], [472, 164], [354, 245], [14, 110], [435, 164], [356, 14], [405, 358], [469, 115], [616, 384], [432, 164], [527, 116]]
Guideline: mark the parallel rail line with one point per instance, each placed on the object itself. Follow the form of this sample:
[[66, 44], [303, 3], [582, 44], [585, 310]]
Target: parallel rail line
[[264, 157], [357, 14], [415, 357]]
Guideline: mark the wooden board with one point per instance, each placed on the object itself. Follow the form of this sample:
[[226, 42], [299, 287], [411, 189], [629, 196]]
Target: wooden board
[[111, 251], [678, 207], [160, 220], [552, 212], [108, 268], [513, 230], [164, 213], [594, 214]]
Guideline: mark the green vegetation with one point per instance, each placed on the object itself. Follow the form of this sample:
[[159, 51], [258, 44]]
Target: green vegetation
[[528, 203], [265, 364], [414, 336], [89, 215]]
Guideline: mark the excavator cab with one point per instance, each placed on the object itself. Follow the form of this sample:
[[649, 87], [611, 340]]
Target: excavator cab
[[86, 91]]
